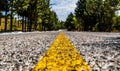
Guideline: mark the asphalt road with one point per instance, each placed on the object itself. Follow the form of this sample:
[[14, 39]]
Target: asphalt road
[[21, 51]]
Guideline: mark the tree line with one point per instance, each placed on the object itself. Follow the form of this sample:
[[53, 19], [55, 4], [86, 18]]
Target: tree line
[[95, 15], [31, 14]]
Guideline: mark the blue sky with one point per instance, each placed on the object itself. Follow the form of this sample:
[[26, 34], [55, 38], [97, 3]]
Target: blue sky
[[63, 7]]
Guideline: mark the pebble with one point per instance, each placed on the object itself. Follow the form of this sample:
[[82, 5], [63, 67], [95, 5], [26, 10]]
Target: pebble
[[100, 50], [21, 51]]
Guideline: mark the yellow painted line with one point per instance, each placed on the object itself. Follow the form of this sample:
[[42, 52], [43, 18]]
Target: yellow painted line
[[61, 56]]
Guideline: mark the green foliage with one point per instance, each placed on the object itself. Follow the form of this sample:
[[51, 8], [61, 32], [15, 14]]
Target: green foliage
[[116, 25], [96, 15], [34, 14], [70, 22]]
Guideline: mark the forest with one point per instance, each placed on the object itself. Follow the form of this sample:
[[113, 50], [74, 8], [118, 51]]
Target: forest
[[36, 15], [95, 15], [31, 15]]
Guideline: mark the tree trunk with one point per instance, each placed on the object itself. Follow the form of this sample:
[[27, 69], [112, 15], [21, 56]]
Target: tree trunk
[[0, 20], [6, 10], [30, 29], [5, 21], [29, 25], [35, 23], [18, 21], [25, 23], [11, 22], [11, 16], [22, 23]]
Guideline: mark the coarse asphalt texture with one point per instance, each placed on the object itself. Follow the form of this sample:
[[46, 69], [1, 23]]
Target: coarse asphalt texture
[[61, 56], [21, 51]]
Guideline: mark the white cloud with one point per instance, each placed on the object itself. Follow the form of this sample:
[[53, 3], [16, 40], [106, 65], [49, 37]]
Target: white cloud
[[63, 7]]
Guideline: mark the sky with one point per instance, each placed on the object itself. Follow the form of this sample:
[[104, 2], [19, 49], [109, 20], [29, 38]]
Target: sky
[[63, 8]]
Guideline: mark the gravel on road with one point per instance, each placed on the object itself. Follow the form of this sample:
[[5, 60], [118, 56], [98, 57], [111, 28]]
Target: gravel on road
[[100, 50], [21, 51]]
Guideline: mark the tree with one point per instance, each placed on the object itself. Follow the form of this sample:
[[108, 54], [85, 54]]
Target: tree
[[6, 15], [70, 24], [116, 25], [54, 23], [79, 12], [32, 13], [4, 7], [96, 15], [11, 14], [0, 17]]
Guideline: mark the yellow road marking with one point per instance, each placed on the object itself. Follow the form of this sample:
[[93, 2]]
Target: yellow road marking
[[61, 56]]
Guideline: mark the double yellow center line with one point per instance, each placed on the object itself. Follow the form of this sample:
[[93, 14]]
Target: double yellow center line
[[61, 56]]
